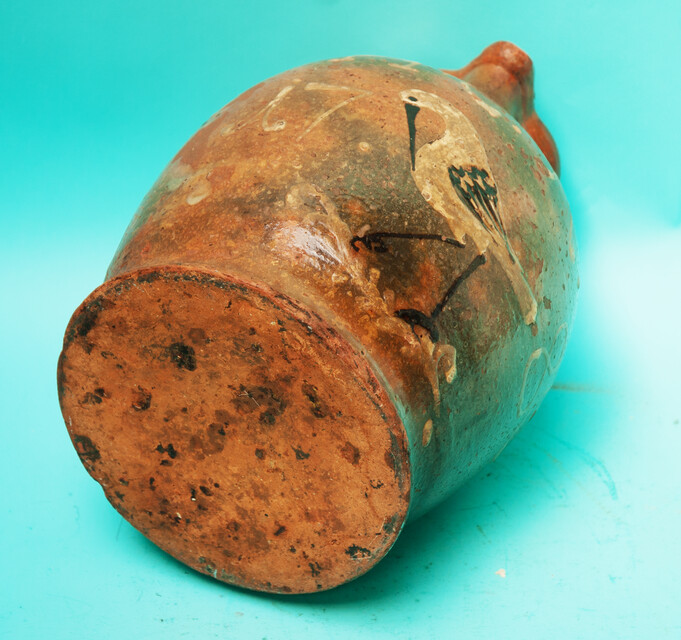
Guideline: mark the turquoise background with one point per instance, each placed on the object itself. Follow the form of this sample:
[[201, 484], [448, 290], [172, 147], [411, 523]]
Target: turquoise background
[[582, 511]]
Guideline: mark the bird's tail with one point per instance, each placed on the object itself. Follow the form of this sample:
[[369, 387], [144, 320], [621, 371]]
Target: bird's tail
[[521, 287]]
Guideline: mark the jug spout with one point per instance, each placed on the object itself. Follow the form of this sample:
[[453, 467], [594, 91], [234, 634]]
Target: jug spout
[[505, 74]]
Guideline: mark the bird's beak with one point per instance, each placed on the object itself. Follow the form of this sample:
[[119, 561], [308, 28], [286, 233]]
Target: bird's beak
[[412, 110]]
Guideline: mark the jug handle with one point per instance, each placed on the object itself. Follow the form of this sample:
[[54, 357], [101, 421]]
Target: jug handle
[[505, 74]]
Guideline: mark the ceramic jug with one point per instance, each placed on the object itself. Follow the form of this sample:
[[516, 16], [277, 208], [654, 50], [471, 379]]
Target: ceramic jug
[[343, 296]]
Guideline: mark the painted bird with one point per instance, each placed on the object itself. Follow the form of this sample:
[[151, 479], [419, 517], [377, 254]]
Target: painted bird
[[454, 177]]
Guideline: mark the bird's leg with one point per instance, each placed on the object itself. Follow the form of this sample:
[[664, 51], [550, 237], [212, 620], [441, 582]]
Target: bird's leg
[[374, 241], [442, 355], [479, 260], [414, 317]]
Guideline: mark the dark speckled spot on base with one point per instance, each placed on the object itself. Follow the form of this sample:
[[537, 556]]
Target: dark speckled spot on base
[[182, 355], [86, 449], [141, 399], [300, 454]]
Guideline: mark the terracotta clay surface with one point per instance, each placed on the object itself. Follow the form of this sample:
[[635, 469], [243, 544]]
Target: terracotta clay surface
[[342, 297], [222, 418]]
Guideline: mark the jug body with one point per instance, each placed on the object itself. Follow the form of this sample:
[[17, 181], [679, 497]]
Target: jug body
[[343, 296]]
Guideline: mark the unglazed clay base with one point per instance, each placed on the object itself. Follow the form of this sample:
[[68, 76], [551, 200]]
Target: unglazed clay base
[[234, 429]]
